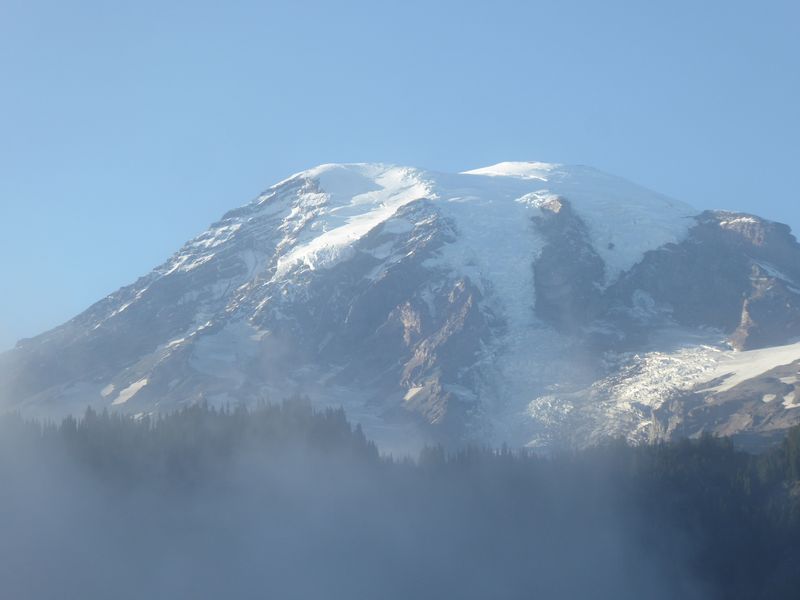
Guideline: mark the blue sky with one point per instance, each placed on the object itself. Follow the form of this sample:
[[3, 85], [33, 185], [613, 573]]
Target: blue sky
[[127, 127]]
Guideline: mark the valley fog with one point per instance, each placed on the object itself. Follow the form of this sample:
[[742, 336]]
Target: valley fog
[[285, 502]]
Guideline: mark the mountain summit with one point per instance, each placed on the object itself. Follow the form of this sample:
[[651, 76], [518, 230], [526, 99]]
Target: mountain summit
[[525, 302]]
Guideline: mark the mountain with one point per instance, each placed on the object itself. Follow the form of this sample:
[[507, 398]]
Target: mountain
[[528, 303]]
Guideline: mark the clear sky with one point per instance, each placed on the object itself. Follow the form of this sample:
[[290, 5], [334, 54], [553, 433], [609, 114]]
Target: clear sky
[[127, 127]]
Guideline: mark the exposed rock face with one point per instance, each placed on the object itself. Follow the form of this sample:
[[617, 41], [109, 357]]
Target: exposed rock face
[[568, 273], [521, 303], [770, 314], [757, 411], [736, 273]]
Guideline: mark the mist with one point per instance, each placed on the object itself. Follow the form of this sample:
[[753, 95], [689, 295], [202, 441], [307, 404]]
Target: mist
[[283, 502]]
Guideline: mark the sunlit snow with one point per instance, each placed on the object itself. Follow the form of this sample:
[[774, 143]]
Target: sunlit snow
[[129, 392]]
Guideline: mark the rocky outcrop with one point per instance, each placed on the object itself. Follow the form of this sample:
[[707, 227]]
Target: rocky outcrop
[[755, 413], [735, 273], [770, 313], [568, 273]]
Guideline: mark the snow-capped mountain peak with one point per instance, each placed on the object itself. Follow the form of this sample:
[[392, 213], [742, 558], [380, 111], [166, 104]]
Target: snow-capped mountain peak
[[467, 304]]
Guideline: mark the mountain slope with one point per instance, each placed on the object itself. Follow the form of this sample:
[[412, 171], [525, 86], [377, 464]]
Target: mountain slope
[[473, 306]]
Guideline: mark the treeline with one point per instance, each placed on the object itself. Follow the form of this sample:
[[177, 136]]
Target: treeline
[[284, 501], [192, 444]]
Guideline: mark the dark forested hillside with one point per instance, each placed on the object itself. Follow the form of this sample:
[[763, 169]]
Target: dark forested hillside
[[284, 502]]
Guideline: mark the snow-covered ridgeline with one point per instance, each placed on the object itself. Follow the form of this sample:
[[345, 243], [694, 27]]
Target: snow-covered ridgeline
[[348, 200]]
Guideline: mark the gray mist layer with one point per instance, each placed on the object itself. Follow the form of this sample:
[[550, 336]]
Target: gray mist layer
[[298, 520]]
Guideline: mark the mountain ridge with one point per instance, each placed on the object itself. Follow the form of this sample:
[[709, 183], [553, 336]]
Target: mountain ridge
[[438, 305]]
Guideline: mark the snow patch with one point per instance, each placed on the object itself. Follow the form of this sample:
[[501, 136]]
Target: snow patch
[[412, 392], [521, 170], [355, 200], [129, 392], [738, 222], [738, 367]]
